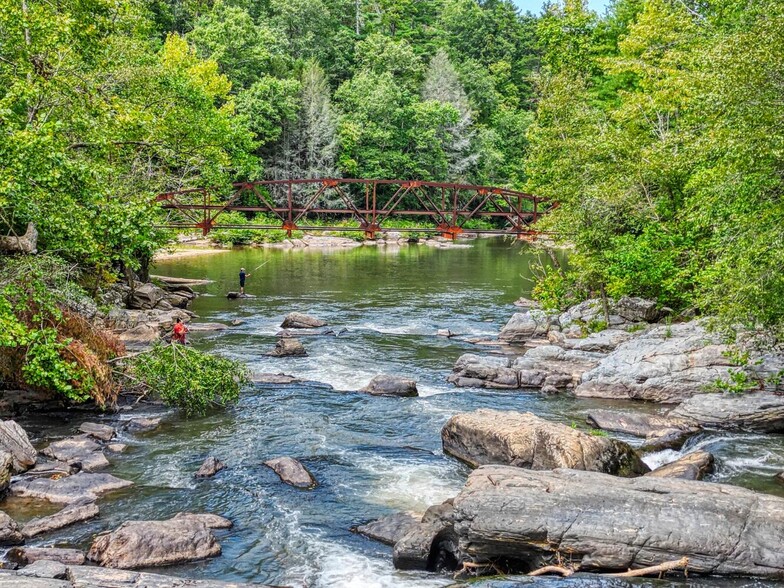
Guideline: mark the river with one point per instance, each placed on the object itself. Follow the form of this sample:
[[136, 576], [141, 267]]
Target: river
[[371, 456]]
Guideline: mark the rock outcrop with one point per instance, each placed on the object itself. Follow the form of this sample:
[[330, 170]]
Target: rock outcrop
[[529, 518], [211, 466], [694, 466], [15, 441], [288, 347], [524, 326], [666, 364], [71, 514], [527, 441], [292, 472], [140, 544], [298, 320], [9, 531], [69, 489], [81, 451], [386, 385], [389, 529], [755, 411]]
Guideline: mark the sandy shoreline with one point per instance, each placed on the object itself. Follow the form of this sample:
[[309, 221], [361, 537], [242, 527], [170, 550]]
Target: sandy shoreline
[[184, 253]]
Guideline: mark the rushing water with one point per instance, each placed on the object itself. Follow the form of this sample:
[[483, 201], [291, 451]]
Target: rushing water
[[371, 456]]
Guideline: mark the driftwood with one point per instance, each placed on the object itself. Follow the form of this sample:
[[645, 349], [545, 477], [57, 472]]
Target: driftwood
[[27, 243], [552, 570], [667, 566]]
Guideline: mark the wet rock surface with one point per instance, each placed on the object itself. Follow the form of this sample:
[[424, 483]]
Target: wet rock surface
[[211, 466], [97, 430], [611, 523], [693, 466], [387, 385], [28, 555], [298, 320], [79, 487], [14, 440], [81, 451], [755, 411], [71, 514], [9, 531], [45, 568], [527, 441], [389, 529], [288, 347], [142, 424], [292, 472], [138, 544]]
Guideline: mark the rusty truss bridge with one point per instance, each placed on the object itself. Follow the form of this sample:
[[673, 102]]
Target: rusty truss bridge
[[293, 205]]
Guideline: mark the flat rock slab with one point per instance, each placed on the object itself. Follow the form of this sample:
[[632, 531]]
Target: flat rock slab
[[143, 424], [71, 514], [94, 577], [298, 320], [211, 466], [15, 441], [140, 544], [78, 450], [11, 579], [527, 441], [609, 523], [211, 521], [45, 568], [638, 424], [694, 466], [97, 430], [756, 411], [292, 472], [389, 529], [274, 379], [79, 487], [386, 385], [28, 555], [9, 531]]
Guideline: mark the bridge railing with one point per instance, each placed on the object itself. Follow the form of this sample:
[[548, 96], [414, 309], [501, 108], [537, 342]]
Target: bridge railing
[[446, 207]]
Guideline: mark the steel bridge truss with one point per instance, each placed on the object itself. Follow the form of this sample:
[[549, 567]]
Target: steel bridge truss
[[444, 208]]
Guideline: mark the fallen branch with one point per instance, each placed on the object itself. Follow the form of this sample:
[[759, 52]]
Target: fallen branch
[[552, 570], [662, 567]]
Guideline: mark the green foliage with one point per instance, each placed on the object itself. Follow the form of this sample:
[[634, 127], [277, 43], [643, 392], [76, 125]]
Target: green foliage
[[188, 379]]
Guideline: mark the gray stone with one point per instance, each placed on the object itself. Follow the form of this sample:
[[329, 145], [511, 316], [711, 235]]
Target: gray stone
[[694, 466], [604, 522], [412, 551], [636, 423], [97, 430], [390, 529], [117, 447], [483, 371], [138, 544], [387, 385], [212, 521], [95, 577], [274, 379], [298, 320], [78, 450], [12, 579], [211, 466], [755, 411], [638, 310], [145, 297], [15, 441], [28, 555], [6, 470], [206, 327], [45, 568], [666, 364], [288, 347], [527, 441], [9, 531], [524, 326], [292, 472], [79, 487], [140, 335], [603, 341], [71, 514], [143, 424]]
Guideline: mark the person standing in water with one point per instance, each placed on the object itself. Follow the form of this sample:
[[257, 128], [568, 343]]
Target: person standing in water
[[178, 336], [243, 275]]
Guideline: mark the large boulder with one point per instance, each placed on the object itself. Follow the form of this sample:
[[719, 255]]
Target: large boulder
[[9, 531], [531, 518], [527, 441], [389, 529], [288, 347], [693, 466], [71, 514], [15, 441], [298, 320], [142, 544], [68, 489], [292, 472], [755, 411], [660, 431], [638, 310], [429, 544], [145, 297], [386, 385], [524, 326], [666, 364], [6, 470]]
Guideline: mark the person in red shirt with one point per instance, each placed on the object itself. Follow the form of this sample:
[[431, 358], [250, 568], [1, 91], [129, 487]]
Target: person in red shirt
[[179, 332]]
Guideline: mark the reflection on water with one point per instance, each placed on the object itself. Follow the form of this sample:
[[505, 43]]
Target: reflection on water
[[371, 456]]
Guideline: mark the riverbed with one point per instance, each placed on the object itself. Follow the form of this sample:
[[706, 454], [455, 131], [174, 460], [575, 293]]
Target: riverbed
[[371, 456]]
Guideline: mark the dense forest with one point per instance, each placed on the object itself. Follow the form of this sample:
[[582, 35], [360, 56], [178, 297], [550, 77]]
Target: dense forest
[[657, 127]]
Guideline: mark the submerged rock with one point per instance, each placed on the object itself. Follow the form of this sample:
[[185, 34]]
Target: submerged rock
[[288, 347], [298, 320], [15, 441], [755, 411], [79, 487], [97, 430], [9, 531], [693, 466], [529, 518], [527, 441], [28, 555], [389, 529], [212, 521], [140, 544], [386, 385], [279, 378], [211, 466], [292, 472], [71, 514], [143, 424]]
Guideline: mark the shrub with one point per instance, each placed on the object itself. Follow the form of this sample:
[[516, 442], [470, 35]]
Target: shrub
[[189, 379]]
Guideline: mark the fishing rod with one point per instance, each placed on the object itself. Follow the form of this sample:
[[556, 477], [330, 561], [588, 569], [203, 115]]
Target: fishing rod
[[262, 265]]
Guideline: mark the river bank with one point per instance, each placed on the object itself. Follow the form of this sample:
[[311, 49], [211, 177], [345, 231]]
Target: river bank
[[371, 455]]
